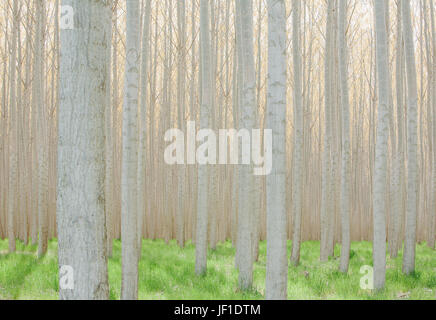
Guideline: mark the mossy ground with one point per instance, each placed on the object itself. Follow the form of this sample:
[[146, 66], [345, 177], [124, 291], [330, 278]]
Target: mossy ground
[[167, 272]]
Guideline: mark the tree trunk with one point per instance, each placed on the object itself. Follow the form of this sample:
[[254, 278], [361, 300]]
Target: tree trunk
[[109, 167], [277, 264], [205, 112], [129, 212], [431, 240], [398, 157], [81, 148], [13, 133], [298, 135], [142, 156], [326, 162], [346, 151], [380, 173], [181, 195], [412, 118], [246, 180], [42, 124]]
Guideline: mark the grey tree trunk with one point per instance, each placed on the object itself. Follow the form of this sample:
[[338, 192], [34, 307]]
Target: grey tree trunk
[[298, 135], [246, 180], [13, 133], [142, 156], [398, 157], [431, 241], [326, 161], [412, 140], [81, 150], [42, 125], [277, 262], [380, 172], [205, 112], [181, 121], [346, 147], [109, 141], [129, 191]]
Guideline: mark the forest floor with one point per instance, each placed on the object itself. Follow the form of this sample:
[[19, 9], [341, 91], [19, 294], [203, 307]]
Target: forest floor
[[167, 272]]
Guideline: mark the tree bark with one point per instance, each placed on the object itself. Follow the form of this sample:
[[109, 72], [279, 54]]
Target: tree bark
[[142, 156], [346, 148], [326, 162], [246, 180], [81, 148], [129, 212], [298, 135], [380, 172], [42, 124], [412, 119], [13, 133], [277, 264], [181, 195], [205, 112]]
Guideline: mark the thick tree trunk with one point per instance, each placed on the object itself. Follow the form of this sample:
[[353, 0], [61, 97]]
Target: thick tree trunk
[[81, 148]]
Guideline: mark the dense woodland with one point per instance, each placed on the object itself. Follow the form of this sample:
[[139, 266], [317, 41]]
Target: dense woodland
[[347, 87]]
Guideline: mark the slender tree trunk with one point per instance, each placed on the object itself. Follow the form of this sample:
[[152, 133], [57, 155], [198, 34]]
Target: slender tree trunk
[[237, 121], [13, 133], [213, 175], [111, 219], [4, 131], [33, 136], [235, 108], [326, 162], [298, 135], [129, 212], [412, 118], [42, 124], [398, 157], [81, 148], [431, 241], [205, 112], [346, 148], [109, 142], [335, 139], [181, 120], [258, 180], [246, 180], [142, 156], [27, 122], [380, 173], [277, 264]]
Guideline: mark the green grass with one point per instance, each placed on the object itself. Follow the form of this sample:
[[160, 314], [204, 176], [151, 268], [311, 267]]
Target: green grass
[[167, 272]]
